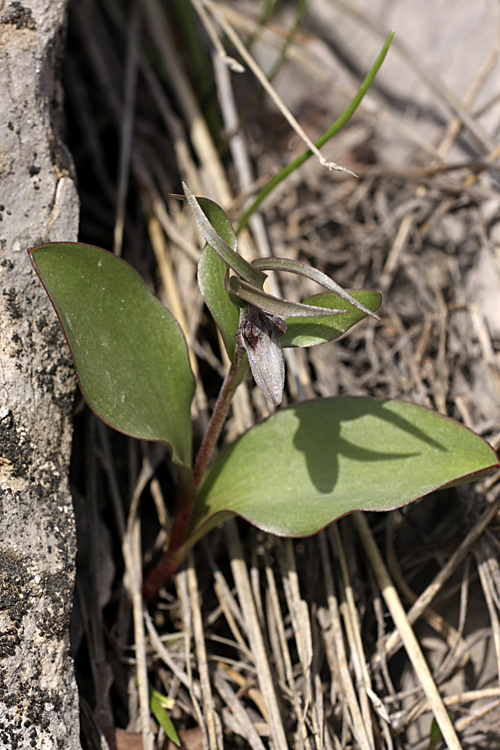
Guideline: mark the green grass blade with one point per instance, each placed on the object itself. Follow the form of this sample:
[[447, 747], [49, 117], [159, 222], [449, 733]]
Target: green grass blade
[[156, 704], [337, 125]]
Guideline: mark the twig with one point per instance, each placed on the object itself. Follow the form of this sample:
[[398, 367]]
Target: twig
[[199, 133], [211, 718], [337, 125], [407, 635], [351, 623], [270, 90], [425, 598], [358, 725], [131, 548], [255, 637], [247, 728], [227, 61]]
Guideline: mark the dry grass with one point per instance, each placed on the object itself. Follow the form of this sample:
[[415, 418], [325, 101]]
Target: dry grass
[[264, 642]]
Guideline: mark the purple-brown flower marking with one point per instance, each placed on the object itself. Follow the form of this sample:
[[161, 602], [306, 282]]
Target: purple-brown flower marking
[[260, 335]]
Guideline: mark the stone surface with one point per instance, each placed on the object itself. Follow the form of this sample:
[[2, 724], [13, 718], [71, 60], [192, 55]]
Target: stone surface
[[436, 60], [38, 203]]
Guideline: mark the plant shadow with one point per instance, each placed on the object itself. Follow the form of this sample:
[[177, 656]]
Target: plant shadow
[[315, 436]]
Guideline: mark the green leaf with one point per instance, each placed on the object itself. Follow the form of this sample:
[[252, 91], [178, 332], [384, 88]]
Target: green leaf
[[157, 701], [314, 331], [435, 734], [129, 352], [211, 274], [219, 234], [311, 464]]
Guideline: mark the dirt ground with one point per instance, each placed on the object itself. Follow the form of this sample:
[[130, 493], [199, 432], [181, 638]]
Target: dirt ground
[[264, 642]]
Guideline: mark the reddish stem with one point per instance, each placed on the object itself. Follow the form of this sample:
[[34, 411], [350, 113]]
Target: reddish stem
[[177, 549], [179, 543], [219, 414]]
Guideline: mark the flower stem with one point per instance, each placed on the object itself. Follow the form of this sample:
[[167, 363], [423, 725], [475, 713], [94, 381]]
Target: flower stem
[[180, 543], [219, 414]]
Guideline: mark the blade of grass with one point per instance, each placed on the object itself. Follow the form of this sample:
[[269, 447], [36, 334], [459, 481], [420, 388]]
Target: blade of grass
[[337, 125], [299, 15], [270, 91]]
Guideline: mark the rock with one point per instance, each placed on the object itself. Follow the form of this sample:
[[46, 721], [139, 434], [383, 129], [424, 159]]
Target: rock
[[38, 203]]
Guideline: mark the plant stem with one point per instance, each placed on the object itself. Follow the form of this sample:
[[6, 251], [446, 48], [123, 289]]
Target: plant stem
[[219, 414], [170, 561], [180, 543], [177, 548]]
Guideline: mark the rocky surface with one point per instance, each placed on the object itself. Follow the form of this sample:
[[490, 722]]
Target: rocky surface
[[38, 203]]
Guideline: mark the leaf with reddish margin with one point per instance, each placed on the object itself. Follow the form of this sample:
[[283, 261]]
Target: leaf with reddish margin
[[129, 352], [310, 464]]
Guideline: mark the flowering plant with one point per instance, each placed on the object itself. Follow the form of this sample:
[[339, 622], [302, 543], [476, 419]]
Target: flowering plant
[[303, 467]]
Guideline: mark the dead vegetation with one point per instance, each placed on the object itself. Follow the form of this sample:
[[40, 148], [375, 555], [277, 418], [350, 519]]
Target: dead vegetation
[[264, 642]]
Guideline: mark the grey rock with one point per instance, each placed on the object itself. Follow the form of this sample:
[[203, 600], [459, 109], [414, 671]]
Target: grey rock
[[38, 203]]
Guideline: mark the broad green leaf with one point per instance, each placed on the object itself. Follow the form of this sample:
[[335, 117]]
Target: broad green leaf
[[129, 353], [311, 464], [219, 234], [211, 274], [313, 331]]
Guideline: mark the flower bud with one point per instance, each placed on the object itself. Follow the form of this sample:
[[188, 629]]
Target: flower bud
[[260, 335]]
